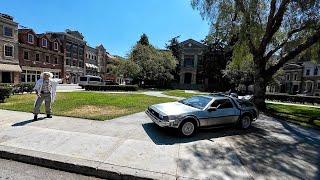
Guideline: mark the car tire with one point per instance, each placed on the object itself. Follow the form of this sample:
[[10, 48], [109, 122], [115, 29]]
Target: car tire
[[187, 128], [245, 122]]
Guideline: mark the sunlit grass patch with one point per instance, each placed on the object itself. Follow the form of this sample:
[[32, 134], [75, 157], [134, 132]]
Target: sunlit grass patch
[[90, 105]]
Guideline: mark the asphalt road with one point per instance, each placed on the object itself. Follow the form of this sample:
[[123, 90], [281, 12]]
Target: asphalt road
[[17, 170]]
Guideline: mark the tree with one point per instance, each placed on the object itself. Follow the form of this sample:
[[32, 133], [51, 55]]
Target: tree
[[144, 40], [174, 46], [215, 60], [262, 29], [155, 66]]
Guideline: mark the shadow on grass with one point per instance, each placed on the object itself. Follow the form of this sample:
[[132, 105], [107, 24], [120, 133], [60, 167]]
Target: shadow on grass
[[23, 123]]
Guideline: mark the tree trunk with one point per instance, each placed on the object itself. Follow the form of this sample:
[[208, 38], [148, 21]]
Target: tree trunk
[[260, 92]]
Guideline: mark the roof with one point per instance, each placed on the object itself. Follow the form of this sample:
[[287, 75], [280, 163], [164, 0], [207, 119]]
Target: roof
[[193, 42]]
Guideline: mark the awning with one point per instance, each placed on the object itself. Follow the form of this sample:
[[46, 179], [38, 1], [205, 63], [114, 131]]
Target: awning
[[10, 68]]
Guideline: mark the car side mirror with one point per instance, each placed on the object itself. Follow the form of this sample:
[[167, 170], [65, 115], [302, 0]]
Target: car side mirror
[[210, 109]]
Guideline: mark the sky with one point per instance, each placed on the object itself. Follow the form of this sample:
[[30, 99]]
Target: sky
[[117, 24]]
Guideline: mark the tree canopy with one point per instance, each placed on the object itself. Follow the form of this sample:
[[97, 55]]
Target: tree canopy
[[260, 30]]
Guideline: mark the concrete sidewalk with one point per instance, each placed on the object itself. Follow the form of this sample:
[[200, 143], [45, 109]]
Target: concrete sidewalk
[[133, 147]]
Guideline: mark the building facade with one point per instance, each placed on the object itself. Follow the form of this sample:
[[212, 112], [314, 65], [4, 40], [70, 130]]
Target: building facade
[[92, 64], [39, 53], [299, 78], [191, 64], [9, 62], [74, 47]]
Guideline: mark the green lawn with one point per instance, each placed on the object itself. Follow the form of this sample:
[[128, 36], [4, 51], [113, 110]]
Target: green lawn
[[90, 105], [298, 114], [180, 93]]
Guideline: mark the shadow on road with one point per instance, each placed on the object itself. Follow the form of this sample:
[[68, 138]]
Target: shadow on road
[[170, 136], [271, 148], [22, 123]]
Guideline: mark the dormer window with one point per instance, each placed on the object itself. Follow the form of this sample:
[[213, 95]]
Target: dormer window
[[30, 38], [55, 46], [44, 43]]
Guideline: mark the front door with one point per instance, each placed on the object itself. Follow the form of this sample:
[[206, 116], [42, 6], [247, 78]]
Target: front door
[[224, 114], [187, 78], [6, 77]]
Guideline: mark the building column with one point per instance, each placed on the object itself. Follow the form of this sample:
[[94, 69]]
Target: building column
[[194, 78], [181, 78], [16, 77]]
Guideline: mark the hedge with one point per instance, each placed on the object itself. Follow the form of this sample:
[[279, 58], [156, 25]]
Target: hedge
[[111, 87], [293, 98], [5, 92], [23, 87]]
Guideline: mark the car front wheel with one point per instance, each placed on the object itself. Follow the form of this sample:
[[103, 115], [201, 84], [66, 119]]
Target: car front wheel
[[187, 128], [245, 122]]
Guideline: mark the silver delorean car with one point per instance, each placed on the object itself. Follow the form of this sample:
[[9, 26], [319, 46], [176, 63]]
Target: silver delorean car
[[189, 114]]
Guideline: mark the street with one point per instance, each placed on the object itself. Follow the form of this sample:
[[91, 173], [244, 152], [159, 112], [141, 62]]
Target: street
[[17, 170]]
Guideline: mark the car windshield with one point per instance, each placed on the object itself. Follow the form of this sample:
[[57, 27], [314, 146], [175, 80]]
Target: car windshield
[[196, 101]]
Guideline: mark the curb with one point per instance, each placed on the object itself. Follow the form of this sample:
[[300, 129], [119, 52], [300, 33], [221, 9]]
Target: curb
[[68, 166]]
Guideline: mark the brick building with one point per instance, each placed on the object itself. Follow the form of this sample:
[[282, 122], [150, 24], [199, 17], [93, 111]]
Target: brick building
[[92, 63], [9, 62], [39, 53], [74, 47]]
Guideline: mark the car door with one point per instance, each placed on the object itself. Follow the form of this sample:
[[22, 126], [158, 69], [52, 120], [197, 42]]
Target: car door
[[224, 114]]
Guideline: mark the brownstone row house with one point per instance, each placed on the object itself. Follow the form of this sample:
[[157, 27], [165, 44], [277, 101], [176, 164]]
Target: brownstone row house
[[25, 54], [39, 53]]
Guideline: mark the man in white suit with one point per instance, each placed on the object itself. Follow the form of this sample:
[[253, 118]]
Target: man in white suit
[[46, 91]]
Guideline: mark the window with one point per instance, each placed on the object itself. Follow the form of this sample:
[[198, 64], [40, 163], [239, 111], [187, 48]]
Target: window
[[44, 42], [189, 61], [55, 60], [47, 59], [315, 72], [55, 46], [308, 72], [26, 55], [68, 62], [295, 77], [318, 85], [7, 31], [30, 38], [8, 50], [288, 77], [224, 103], [37, 57]]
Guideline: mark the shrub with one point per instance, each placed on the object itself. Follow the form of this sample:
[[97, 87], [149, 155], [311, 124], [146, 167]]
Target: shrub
[[5, 92], [293, 98], [111, 88], [23, 87]]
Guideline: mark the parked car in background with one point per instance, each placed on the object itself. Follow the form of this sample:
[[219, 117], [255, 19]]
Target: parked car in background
[[90, 80], [192, 113]]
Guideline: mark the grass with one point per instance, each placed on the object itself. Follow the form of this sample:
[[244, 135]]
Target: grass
[[298, 114], [180, 93], [89, 105]]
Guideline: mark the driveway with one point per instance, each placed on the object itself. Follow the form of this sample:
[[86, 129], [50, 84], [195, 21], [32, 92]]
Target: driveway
[[271, 149]]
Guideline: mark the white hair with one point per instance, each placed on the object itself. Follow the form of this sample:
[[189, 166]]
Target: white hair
[[46, 73]]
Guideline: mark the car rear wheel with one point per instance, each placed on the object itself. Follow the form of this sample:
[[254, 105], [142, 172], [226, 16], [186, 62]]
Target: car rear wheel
[[187, 128], [245, 122]]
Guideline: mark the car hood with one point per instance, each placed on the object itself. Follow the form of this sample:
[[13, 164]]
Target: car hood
[[173, 108]]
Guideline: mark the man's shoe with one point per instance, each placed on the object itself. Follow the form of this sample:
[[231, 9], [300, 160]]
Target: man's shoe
[[49, 116], [35, 118]]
